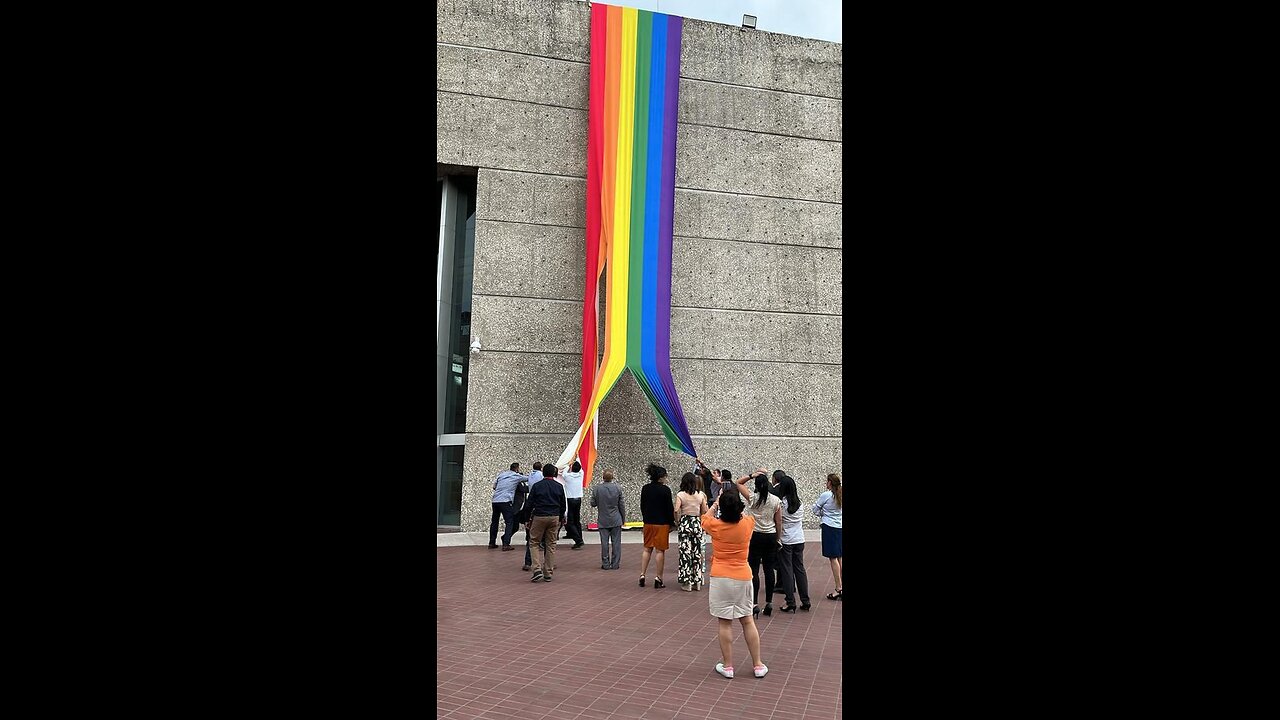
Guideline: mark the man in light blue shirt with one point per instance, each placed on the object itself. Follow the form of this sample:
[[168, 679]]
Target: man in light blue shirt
[[504, 492]]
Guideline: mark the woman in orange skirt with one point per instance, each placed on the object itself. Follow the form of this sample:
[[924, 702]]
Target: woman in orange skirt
[[657, 509]]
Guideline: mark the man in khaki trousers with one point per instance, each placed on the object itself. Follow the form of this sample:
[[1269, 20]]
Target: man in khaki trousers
[[549, 507]]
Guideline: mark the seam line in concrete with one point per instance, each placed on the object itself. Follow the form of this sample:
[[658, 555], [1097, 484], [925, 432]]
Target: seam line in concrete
[[752, 87], [760, 132], [526, 102], [683, 307], [678, 187], [685, 237], [682, 76], [678, 357], [631, 434], [513, 52], [688, 189]]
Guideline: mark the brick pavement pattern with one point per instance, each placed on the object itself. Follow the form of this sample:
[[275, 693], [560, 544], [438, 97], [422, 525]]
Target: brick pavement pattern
[[592, 644]]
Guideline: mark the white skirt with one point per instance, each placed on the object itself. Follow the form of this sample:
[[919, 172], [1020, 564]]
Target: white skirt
[[730, 599]]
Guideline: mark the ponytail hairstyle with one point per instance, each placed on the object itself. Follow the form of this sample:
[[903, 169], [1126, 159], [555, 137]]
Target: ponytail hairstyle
[[834, 479], [762, 490], [730, 504], [608, 476], [656, 472]]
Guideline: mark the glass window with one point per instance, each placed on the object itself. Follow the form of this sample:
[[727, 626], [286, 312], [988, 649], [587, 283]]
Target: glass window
[[455, 411], [450, 500]]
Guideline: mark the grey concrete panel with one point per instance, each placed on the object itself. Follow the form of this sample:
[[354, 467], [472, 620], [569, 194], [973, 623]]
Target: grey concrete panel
[[551, 28], [736, 397], [729, 106], [713, 334], [511, 135], [553, 200], [498, 74], [524, 324], [807, 460], [737, 161], [531, 392], [539, 261], [766, 220], [751, 276], [523, 392], [728, 54], [531, 198]]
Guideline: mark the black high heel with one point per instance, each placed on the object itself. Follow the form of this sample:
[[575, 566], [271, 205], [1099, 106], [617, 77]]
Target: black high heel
[[755, 611], [805, 607], [787, 608], [658, 584], [768, 609]]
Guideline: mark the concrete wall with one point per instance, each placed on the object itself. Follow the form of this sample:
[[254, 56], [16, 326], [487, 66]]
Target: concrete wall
[[757, 255]]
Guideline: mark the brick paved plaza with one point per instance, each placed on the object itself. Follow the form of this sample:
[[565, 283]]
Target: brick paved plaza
[[592, 644]]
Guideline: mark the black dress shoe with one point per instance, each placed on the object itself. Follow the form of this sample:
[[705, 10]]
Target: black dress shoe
[[787, 608], [768, 609], [805, 607]]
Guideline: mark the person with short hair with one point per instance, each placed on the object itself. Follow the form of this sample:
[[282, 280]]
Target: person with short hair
[[504, 493], [573, 493], [611, 514], [534, 476], [657, 509], [548, 506], [730, 590]]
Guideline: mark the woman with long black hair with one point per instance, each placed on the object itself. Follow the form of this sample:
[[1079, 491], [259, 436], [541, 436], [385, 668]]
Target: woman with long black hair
[[791, 572], [691, 503], [766, 509]]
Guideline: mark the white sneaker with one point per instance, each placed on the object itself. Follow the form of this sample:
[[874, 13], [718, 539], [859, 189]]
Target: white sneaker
[[761, 671], [727, 672]]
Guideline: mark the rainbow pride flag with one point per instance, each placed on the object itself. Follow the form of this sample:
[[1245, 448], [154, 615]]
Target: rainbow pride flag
[[631, 177]]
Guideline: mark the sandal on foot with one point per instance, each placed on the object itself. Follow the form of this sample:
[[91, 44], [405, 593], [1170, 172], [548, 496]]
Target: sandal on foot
[[657, 584]]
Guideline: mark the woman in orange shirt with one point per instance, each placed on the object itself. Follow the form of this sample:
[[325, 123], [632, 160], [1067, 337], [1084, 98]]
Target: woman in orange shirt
[[731, 591]]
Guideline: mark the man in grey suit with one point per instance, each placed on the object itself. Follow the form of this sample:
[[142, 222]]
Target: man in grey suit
[[607, 497]]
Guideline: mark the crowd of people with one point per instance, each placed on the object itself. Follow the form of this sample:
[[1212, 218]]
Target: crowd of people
[[729, 532]]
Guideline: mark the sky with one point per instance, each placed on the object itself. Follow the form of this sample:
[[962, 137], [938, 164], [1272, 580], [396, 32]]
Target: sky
[[818, 19]]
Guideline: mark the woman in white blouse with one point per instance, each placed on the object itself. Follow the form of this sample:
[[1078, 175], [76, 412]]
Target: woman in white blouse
[[829, 509]]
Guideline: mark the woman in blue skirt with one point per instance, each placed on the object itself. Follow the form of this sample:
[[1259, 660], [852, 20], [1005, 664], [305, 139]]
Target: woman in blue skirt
[[829, 509]]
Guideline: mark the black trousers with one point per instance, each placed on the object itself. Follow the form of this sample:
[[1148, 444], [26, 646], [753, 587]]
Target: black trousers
[[507, 512], [791, 573], [763, 550], [574, 527]]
